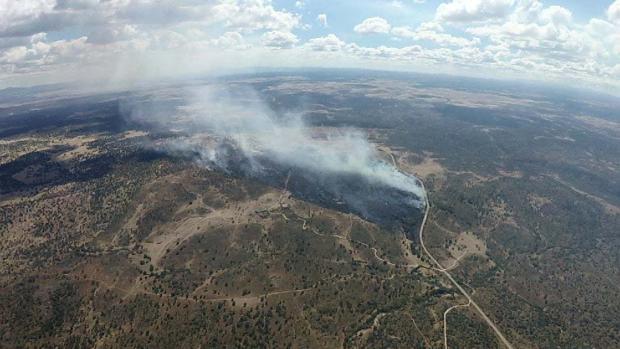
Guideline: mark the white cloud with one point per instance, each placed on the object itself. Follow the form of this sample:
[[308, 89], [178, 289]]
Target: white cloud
[[14, 54], [599, 27], [252, 15], [230, 40], [39, 53], [557, 15], [615, 71], [531, 50], [76, 4], [326, 43], [322, 18], [512, 36], [613, 11], [431, 26], [160, 13], [278, 39], [535, 39], [109, 34], [432, 31], [473, 10], [548, 32], [373, 25], [122, 26], [24, 18]]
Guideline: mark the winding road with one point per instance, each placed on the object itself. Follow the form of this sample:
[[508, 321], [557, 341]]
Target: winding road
[[443, 270], [445, 321]]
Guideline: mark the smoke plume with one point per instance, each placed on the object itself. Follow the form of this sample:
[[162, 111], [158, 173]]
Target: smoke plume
[[233, 129]]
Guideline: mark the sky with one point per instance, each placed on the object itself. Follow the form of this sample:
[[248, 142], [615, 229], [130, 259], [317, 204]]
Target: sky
[[572, 42]]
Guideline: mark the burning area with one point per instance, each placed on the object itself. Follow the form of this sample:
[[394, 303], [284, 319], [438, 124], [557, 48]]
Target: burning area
[[335, 168]]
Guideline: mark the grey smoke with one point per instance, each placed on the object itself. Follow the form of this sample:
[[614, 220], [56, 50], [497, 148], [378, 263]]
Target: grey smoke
[[206, 116]]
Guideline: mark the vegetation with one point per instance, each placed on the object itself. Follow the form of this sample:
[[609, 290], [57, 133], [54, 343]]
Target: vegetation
[[104, 241]]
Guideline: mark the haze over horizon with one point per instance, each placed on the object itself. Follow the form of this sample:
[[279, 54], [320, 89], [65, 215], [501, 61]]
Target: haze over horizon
[[126, 41]]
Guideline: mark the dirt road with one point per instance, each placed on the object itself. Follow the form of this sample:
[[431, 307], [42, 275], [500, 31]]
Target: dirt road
[[443, 270]]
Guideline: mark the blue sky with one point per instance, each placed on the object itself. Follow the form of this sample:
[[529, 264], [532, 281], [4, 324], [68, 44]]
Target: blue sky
[[344, 15], [574, 42]]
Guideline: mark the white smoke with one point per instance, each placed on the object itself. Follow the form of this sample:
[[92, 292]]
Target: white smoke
[[209, 112]]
